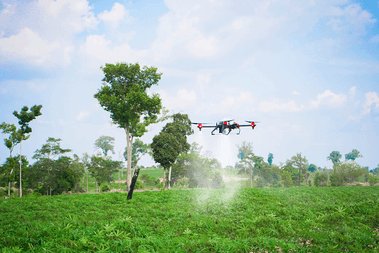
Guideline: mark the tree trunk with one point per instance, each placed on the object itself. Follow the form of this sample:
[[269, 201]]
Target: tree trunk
[[134, 180], [128, 174], [20, 168], [299, 176], [169, 178], [251, 177], [87, 179], [164, 178], [9, 189]]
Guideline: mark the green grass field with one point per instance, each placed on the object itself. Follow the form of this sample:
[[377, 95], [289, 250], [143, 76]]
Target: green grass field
[[306, 219]]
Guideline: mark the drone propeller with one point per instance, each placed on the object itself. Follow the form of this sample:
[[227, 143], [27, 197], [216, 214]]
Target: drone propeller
[[251, 121]]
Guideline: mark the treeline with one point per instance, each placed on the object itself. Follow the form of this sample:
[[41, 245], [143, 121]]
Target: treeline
[[297, 171]]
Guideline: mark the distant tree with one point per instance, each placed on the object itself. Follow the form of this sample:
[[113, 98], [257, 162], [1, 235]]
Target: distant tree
[[347, 172], [372, 179], [246, 154], [24, 119], [10, 142], [354, 154], [48, 151], [287, 179], [270, 158], [86, 165], [178, 129], [300, 162], [138, 150], [321, 179], [102, 169], [124, 95], [312, 167], [105, 143], [335, 157]]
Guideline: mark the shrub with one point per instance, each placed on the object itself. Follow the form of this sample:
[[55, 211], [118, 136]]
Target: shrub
[[104, 188], [139, 185], [372, 179], [321, 179]]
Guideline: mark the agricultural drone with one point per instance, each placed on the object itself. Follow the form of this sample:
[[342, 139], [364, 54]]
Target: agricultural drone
[[226, 126]]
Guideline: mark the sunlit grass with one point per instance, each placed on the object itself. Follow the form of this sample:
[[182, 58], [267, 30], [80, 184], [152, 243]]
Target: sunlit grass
[[344, 219]]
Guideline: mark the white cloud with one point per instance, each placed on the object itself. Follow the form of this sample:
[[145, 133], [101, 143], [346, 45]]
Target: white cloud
[[182, 99], [291, 106], [27, 44], [115, 16], [42, 32], [371, 99], [330, 99], [97, 50], [295, 93]]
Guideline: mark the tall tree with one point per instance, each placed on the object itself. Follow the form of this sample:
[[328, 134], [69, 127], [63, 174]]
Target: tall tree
[[171, 141], [51, 149], [300, 162], [246, 154], [335, 157], [105, 143], [124, 95], [24, 119], [10, 142], [270, 158], [354, 154]]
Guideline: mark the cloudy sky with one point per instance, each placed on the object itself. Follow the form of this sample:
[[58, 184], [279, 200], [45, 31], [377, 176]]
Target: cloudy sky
[[308, 71]]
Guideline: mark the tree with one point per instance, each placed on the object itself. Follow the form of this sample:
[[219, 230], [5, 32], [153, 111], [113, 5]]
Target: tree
[[349, 171], [86, 164], [354, 154], [138, 150], [24, 118], [270, 158], [246, 154], [287, 179], [13, 139], [165, 151], [52, 148], [106, 143], [299, 162], [312, 167], [124, 95], [335, 157], [102, 169], [321, 179]]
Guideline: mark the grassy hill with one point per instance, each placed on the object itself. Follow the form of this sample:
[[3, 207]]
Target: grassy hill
[[309, 219]]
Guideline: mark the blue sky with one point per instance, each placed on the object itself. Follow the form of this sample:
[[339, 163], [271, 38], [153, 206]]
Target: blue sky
[[307, 70]]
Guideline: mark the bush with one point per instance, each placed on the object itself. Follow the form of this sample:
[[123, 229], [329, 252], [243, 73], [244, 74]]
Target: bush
[[104, 188], [336, 179], [373, 179], [321, 179], [139, 185]]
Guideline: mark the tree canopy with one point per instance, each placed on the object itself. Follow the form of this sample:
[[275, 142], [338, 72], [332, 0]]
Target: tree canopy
[[124, 95], [105, 143]]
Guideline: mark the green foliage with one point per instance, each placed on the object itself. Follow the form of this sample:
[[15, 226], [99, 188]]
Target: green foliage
[[105, 143], [104, 188], [354, 154], [287, 179], [138, 150], [124, 95], [102, 169], [201, 171], [25, 117], [139, 185], [14, 136], [299, 162], [270, 158], [282, 220], [349, 171], [372, 179], [321, 179], [335, 157], [312, 167]]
